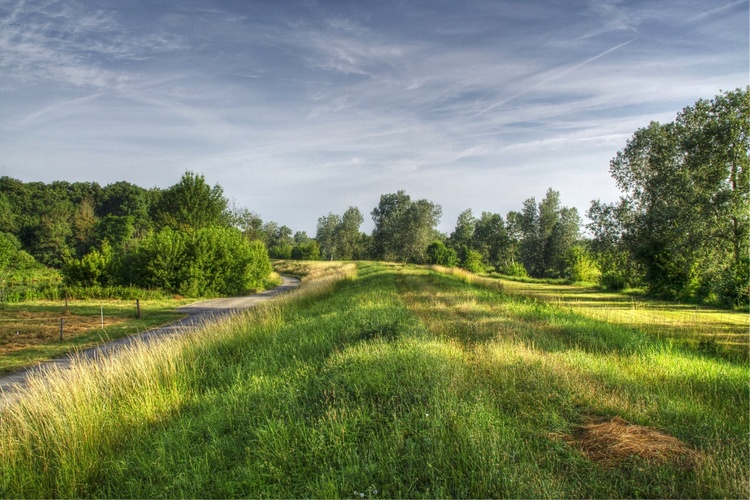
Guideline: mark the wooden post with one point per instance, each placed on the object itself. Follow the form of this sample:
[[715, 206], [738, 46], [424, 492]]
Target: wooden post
[[62, 322], [102, 310], [138, 308]]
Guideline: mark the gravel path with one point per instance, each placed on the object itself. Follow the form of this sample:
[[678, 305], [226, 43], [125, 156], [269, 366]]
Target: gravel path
[[199, 313]]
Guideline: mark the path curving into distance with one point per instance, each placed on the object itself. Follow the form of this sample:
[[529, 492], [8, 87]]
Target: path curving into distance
[[13, 384]]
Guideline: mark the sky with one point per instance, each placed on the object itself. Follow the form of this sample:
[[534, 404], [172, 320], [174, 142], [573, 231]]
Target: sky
[[302, 108]]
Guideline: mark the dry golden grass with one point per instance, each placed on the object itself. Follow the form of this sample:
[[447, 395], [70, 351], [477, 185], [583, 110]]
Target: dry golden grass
[[23, 329], [611, 441]]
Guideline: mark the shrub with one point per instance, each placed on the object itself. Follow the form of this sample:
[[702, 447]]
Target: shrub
[[473, 262], [580, 266], [439, 254], [515, 269]]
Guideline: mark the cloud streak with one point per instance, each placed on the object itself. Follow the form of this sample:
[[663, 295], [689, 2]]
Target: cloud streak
[[341, 102]]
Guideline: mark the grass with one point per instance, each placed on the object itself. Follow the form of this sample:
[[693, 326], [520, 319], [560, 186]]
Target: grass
[[717, 331], [396, 382], [30, 331]]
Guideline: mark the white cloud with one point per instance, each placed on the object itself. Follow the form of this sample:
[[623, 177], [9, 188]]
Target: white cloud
[[473, 104]]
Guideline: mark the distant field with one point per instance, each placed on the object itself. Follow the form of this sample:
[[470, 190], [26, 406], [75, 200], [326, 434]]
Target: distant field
[[391, 381], [706, 328], [30, 331]]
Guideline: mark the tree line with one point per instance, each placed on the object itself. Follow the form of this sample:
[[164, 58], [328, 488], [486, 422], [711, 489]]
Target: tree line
[[181, 239], [679, 229]]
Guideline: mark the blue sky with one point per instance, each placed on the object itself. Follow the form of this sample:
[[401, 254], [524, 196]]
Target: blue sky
[[300, 108]]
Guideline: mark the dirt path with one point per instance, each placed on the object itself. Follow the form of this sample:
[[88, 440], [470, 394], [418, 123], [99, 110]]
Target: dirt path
[[199, 313]]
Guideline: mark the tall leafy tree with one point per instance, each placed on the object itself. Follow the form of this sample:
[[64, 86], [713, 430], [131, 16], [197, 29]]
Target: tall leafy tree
[[403, 228], [388, 234], [192, 204], [548, 232], [351, 243], [463, 234], [491, 239], [686, 190], [123, 199], [339, 236], [326, 235]]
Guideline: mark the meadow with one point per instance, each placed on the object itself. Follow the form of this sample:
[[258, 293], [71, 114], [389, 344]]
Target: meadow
[[380, 381]]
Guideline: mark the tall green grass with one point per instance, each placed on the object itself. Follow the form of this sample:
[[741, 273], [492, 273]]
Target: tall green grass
[[397, 383]]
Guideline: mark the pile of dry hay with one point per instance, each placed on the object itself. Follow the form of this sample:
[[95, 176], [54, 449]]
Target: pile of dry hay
[[612, 441]]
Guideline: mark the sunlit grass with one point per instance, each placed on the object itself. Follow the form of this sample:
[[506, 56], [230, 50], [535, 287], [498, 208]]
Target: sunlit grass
[[714, 330], [383, 381]]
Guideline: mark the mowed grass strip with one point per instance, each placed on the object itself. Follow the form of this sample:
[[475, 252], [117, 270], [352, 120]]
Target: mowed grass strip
[[399, 383], [30, 331], [713, 330]]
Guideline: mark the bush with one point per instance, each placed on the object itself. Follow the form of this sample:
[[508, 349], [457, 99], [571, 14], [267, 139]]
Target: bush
[[734, 285], [473, 262], [613, 280], [515, 269], [195, 263], [580, 266], [439, 254]]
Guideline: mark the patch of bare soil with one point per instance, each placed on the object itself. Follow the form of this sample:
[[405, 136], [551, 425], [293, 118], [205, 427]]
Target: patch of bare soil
[[612, 441]]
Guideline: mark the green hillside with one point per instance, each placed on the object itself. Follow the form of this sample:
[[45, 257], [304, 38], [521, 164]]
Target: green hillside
[[386, 381]]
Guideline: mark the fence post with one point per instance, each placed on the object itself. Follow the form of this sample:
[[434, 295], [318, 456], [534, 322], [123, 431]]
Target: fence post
[[102, 311], [62, 322], [138, 308]]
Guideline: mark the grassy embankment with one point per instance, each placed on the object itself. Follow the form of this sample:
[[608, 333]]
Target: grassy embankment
[[400, 382]]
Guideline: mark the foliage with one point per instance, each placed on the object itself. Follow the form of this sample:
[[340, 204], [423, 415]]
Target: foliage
[[326, 236], [90, 270], [684, 216], [547, 232], [439, 254], [192, 204], [514, 269], [339, 236], [403, 228], [473, 261], [278, 240], [205, 262], [492, 240], [103, 238], [581, 266], [308, 250]]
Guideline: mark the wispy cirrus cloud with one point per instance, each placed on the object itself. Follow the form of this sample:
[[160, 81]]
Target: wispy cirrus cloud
[[478, 103]]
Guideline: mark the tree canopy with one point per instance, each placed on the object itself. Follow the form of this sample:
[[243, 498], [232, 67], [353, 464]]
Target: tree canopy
[[683, 214]]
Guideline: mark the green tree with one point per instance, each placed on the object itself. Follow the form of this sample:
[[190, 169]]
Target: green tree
[[403, 228], [687, 200], [339, 236], [92, 269], [123, 199], [278, 240], [492, 240], [192, 204], [84, 226], [463, 234], [608, 248], [473, 261], [326, 235], [350, 242], [548, 232]]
